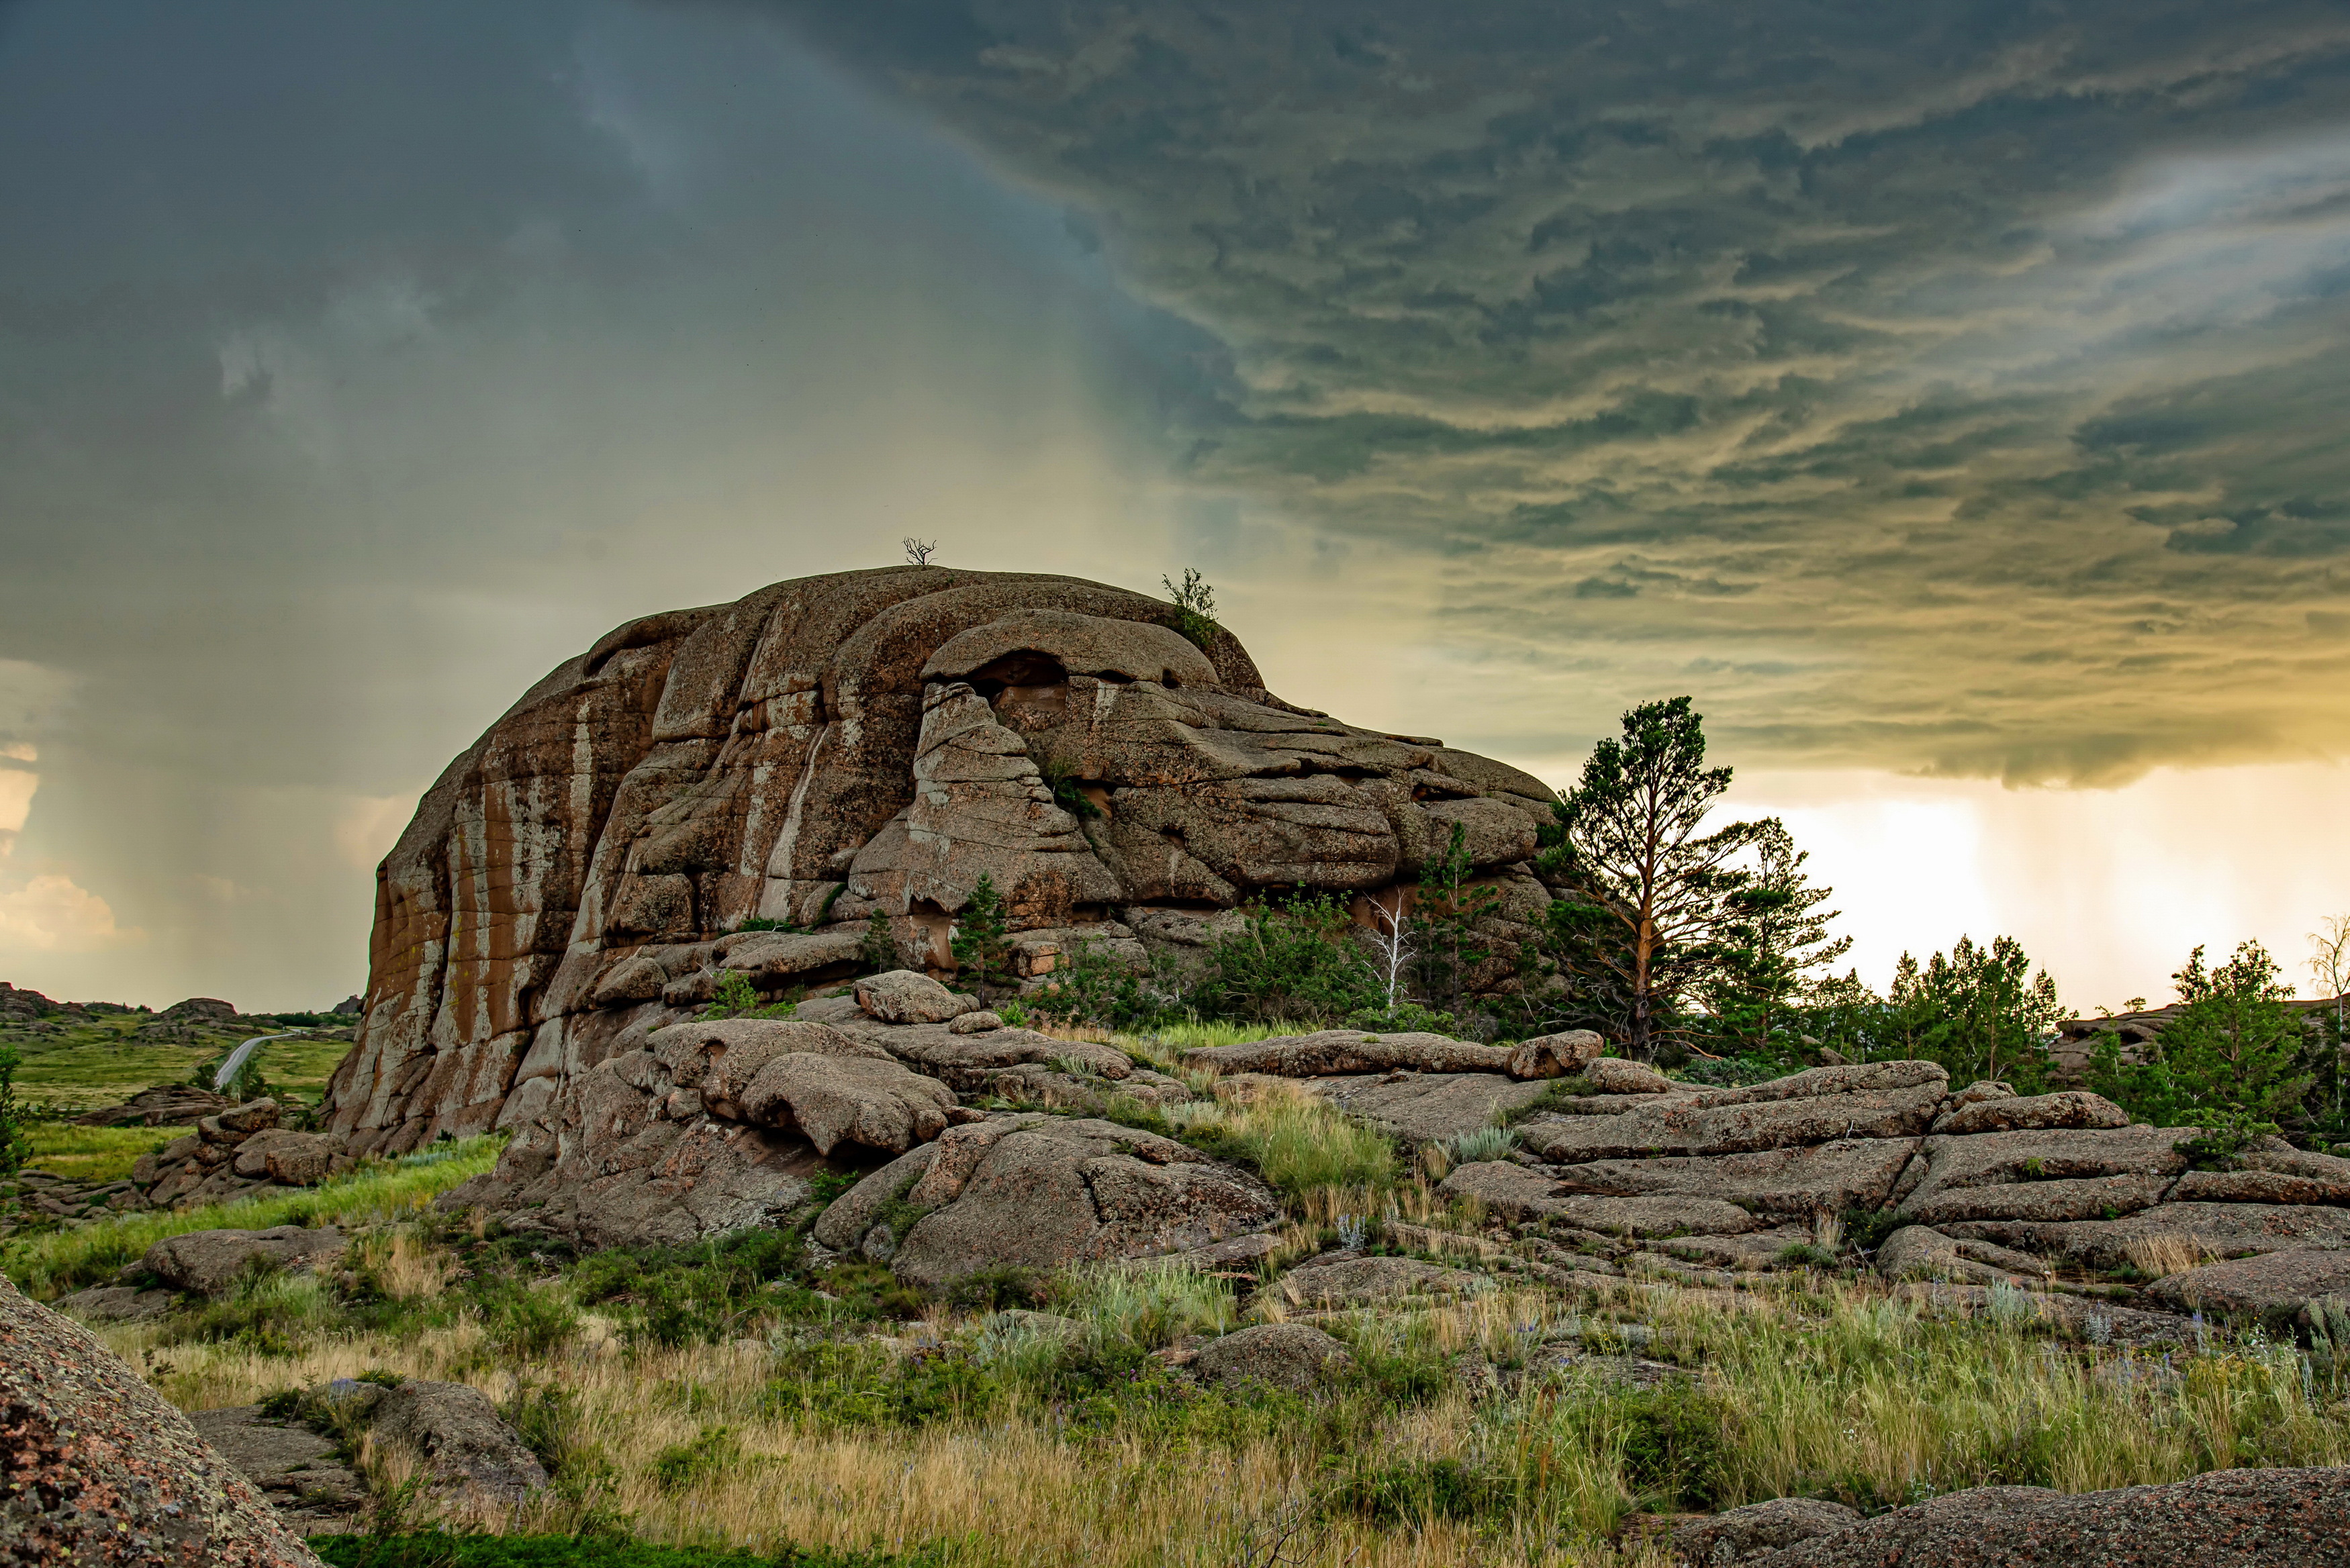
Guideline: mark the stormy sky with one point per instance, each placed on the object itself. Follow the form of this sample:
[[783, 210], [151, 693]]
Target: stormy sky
[[1948, 396]]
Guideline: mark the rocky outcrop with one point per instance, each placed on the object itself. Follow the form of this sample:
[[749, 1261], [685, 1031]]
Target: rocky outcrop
[[164, 1105], [236, 1151], [2246, 1519], [1037, 1191], [1332, 1052], [101, 1470], [829, 748], [1292, 1356]]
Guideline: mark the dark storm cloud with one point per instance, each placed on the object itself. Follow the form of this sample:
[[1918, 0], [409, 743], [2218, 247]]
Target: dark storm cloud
[[1952, 386]]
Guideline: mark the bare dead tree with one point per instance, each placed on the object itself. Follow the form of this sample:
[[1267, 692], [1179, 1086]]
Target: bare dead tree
[[918, 551], [1390, 938]]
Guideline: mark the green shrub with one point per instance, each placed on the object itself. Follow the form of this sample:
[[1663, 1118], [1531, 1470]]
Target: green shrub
[[1090, 987], [14, 1146], [1674, 1446], [1415, 1493], [436, 1549], [736, 997], [524, 1322], [680, 1467], [1483, 1145], [878, 949], [1295, 960], [1195, 608]]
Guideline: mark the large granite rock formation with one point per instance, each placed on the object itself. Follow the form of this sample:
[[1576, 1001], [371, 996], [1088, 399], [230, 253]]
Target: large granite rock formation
[[832, 746]]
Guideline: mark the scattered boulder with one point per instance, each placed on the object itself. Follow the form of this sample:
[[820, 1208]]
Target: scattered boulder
[[1615, 1076], [101, 1470], [1330, 1052], [2269, 1288], [902, 996], [1556, 1056], [1362, 1282], [977, 1023], [237, 1150], [1293, 1357], [1734, 1537], [1040, 1192], [2245, 1518], [206, 1263], [455, 1429]]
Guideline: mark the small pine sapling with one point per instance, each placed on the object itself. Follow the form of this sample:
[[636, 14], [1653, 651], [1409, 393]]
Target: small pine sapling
[[1195, 608], [878, 951], [982, 948]]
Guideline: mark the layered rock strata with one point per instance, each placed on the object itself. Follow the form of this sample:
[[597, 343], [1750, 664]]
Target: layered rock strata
[[829, 748]]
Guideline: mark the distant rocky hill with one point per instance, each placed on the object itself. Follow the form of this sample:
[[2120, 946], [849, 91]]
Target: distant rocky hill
[[829, 747]]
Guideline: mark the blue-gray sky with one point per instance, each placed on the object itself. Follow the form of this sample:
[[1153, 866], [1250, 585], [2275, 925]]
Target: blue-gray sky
[[1947, 392]]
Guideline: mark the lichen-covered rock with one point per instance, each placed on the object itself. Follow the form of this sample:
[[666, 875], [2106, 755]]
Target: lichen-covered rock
[[287, 1157], [1042, 1193], [1724, 1540], [2245, 1519], [1293, 1357], [100, 1470], [2269, 1288], [300, 1471], [829, 748], [464, 1442]]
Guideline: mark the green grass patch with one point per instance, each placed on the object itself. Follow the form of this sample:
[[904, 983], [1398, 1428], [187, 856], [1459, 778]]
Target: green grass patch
[[51, 1263], [102, 1062], [439, 1550], [92, 1154]]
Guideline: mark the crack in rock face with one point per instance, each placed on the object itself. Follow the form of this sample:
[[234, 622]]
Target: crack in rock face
[[831, 748]]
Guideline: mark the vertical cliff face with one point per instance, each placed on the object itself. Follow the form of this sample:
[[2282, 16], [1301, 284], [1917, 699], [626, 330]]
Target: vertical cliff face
[[831, 746]]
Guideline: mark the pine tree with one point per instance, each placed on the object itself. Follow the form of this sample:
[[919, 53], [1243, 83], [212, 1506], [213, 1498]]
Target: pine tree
[[1981, 1012], [1773, 935], [979, 943], [1445, 945], [1646, 891]]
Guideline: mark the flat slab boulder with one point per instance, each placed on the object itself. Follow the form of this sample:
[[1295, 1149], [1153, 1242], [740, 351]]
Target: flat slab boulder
[[2088, 1197], [966, 1061], [2271, 1288], [1429, 1106], [96, 1461], [2000, 1158], [2226, 1228], [2242, 1519], [1819, 1083], [1517, 1193], [1845, 1174], [2073, 1108], [209, 1262], [1042, 1193], [301, 1470], [1330, 1052], [1694, 1127]]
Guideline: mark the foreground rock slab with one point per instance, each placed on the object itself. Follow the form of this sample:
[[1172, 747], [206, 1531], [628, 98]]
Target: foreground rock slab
[[459, 1434], [207, 1263], [2238, 1519], [1288, 1355], [2272, 1289], [100, 1470]]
